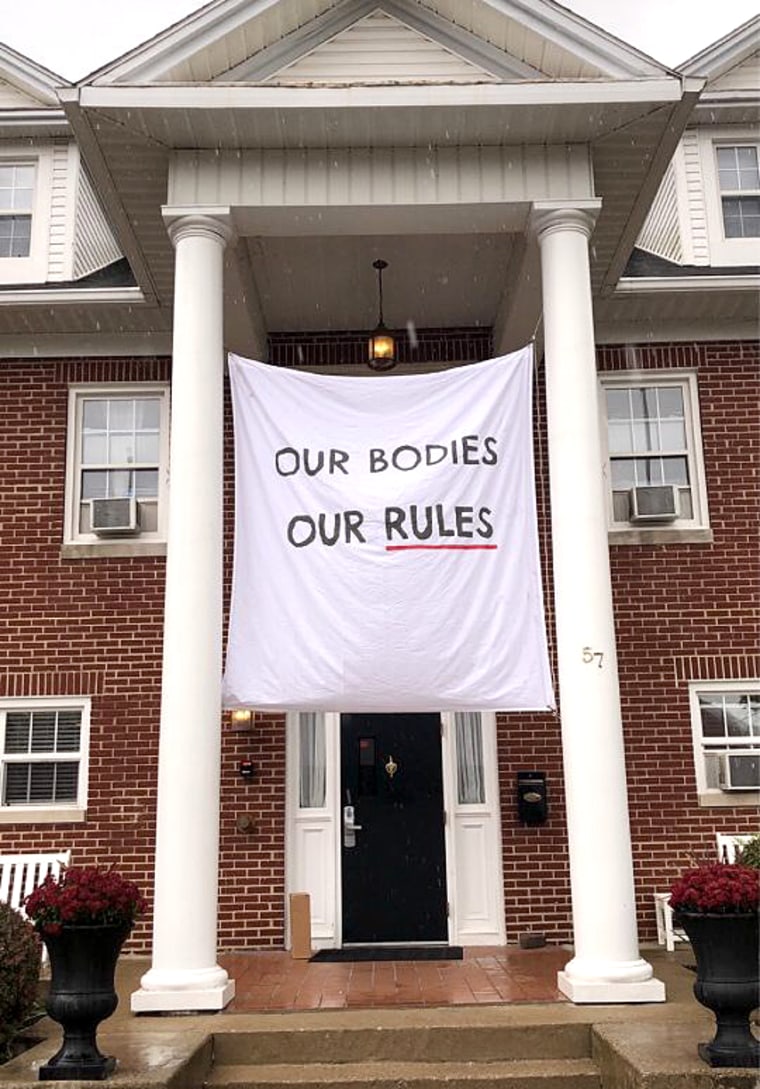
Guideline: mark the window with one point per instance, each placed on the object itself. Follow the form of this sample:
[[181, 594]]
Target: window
[[312, 761], [654, 453], [739, 183], [16, 198], [726, 726], [43, 754], [730, 162], [471, 788], [118, 449]]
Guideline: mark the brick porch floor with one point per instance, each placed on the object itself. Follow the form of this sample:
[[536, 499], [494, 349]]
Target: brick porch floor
[[270, 981]]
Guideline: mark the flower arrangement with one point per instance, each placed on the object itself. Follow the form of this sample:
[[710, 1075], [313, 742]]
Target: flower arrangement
[[717, 888], [84, 896]]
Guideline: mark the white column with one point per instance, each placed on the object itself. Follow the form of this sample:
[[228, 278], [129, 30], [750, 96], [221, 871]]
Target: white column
[[184, 974], [607, 966]]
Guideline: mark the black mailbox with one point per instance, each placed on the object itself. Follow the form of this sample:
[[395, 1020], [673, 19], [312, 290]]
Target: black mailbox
[[531, 797]]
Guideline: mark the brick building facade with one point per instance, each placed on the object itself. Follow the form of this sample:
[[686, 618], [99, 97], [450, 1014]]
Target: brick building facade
[[84, 613]]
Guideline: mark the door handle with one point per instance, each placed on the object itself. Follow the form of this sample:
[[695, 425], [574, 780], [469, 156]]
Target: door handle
[[350, 827]]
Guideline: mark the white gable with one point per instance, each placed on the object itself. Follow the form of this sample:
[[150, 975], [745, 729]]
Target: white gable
[[380, 49], [11, 97], [24, 84], [742, 77], [304, 41]]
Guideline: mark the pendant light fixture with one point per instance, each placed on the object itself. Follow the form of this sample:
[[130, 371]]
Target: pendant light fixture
[[382, 347]]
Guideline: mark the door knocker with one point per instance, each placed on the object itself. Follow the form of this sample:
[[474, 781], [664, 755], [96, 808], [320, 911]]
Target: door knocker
[[391, 767]]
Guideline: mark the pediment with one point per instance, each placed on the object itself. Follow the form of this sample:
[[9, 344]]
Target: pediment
[[25, 84], [380, 49], [379, 41]]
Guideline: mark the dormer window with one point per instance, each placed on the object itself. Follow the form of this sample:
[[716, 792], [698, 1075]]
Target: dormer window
[[16, 198], [739, 181]]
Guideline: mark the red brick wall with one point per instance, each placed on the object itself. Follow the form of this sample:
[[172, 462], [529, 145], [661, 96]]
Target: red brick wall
[[78, 627], [688, 612], [93, 627]]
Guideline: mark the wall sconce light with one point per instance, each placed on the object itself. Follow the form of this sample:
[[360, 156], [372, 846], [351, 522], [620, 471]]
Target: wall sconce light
[[241, 719], [382, 347]]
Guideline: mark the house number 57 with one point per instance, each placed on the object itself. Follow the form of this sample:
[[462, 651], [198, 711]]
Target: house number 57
[[590, 656]]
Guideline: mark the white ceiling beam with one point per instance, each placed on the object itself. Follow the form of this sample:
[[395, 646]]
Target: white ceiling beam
[[653, 285], [71, 296], [215, 97]]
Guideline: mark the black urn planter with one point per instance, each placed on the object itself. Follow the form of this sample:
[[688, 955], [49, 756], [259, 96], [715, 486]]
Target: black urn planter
[[82, 994], [728, 982]]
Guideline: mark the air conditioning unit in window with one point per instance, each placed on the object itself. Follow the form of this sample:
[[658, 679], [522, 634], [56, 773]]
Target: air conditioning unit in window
[[114, 517], [740, 771], [655, 503]]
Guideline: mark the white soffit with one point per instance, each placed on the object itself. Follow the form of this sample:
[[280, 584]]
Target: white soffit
[[226, 40]]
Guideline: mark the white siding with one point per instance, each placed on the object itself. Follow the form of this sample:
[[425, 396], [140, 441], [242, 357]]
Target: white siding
[[380, 49], [59, 259], [94, 245], [389, 176], [661, 232], [695, 192], [743, 77]]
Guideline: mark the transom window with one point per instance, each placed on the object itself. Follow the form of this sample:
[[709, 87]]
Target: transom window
[[726, 719], [43, 749], [16, 197], [739, 181], [118, 450]]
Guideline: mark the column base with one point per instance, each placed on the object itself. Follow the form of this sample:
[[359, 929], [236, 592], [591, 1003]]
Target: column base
[[605, 991], [191, 992]]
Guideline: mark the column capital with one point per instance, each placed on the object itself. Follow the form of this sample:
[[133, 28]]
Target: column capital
[[198, 222], [548, 216]]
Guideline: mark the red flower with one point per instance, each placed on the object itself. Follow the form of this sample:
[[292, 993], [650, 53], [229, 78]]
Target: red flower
[[85, 895], [717, 888]]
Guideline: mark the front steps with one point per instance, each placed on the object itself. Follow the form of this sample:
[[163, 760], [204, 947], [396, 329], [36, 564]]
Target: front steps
[[461, 1055]]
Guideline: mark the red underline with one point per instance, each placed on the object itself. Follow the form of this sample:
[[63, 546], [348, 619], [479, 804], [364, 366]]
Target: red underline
[[439, 547]]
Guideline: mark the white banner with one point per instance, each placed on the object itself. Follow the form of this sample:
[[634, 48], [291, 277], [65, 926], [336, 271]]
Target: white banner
[[386, 553]]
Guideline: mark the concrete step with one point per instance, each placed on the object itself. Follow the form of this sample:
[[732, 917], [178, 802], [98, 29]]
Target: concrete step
[[515, 1074], [430, 1042]]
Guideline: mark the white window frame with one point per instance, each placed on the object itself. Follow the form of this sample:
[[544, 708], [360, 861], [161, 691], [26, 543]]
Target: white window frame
[[714, 796], [724, 251], [53, 812], [79, 544], [32, 269], [696, 528]]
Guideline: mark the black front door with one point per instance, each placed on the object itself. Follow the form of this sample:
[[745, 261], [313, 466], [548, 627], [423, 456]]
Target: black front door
[[394, 865]]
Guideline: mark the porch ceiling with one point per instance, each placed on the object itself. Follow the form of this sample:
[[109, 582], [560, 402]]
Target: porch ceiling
[[431, 280], [129, 134]]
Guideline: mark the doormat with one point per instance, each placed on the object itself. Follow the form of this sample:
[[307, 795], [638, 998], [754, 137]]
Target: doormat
[[389, 952]]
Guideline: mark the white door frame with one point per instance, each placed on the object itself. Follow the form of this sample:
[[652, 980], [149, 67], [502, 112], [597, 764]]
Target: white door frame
[[472, 842]]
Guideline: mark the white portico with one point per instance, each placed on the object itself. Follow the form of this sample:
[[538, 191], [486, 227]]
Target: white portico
[[264, 199]]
